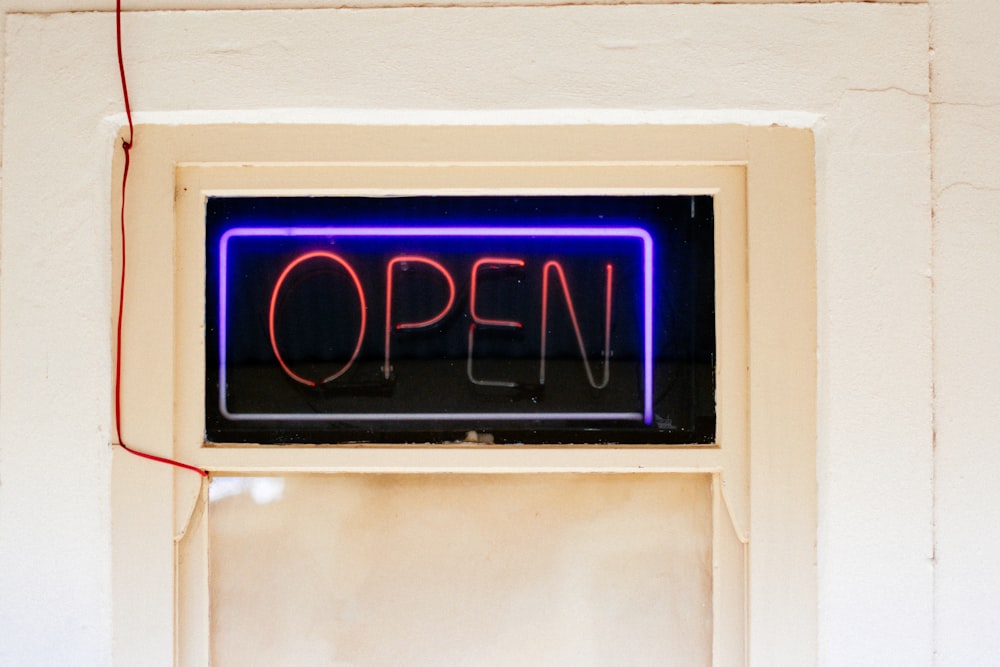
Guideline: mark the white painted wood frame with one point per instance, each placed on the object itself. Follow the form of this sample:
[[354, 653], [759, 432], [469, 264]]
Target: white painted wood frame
[[763, 463]]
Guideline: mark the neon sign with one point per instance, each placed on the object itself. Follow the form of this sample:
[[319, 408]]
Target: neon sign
[[541, 327]]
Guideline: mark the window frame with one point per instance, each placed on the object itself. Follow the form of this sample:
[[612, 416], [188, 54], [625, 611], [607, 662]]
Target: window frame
[[764, 454]]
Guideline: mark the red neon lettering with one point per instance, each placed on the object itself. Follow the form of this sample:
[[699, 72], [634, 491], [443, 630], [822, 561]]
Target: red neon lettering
[[576, 325], [388, 301], [274, 300], [490, 262]]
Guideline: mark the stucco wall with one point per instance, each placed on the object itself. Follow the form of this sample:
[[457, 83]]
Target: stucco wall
[[903, 101], [966, 130]]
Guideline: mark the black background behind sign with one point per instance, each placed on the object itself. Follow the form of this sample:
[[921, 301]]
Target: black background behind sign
[[317, 318]]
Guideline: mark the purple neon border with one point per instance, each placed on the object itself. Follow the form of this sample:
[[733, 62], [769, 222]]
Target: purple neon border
[[444, 232]]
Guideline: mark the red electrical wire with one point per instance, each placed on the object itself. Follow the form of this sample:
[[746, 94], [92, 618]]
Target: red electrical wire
[[127, 148]]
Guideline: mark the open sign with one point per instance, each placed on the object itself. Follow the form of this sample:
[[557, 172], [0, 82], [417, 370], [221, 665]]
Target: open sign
[[433, 327]]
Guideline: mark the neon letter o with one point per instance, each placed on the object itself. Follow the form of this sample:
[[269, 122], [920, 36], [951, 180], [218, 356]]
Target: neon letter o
[[274, 300]]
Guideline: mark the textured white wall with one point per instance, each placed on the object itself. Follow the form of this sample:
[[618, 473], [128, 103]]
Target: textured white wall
[[860, 70], [966, 124], [131, 5]]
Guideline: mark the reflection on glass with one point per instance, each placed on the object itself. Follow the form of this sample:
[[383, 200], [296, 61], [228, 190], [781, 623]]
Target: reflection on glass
[[262, 490], [456, 569]]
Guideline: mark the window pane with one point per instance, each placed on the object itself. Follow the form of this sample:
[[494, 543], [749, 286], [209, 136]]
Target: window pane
[[574, 319], [456, 569]]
